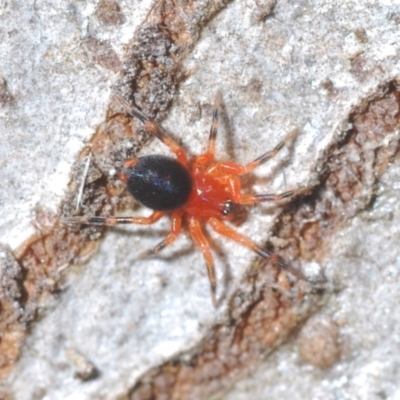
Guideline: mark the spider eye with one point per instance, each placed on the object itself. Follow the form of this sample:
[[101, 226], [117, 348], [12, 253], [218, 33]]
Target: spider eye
[[227, 207]]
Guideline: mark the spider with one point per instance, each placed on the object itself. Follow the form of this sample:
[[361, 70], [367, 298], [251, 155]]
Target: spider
[[201, 190]]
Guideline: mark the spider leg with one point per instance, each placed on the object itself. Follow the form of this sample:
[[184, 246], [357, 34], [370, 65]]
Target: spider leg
[[233, 168], [214, 125], [259, 198], [268, 255], [209, 154], [176, 224], [155, 216], [233, 183], [269, 154], [201, 241], [153, 128]]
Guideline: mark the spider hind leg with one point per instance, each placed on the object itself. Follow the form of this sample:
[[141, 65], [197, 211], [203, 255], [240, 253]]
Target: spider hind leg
[[110, 221], [176, 224], [152, 127]]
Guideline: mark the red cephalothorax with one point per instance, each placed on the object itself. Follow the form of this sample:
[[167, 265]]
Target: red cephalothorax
[[212, 194], [202, 190]]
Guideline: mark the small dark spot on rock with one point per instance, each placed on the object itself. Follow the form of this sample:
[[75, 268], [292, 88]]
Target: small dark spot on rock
[[5, 95], [328, 85], [319, 342], [109, 12], [264, 8], [102, 53]]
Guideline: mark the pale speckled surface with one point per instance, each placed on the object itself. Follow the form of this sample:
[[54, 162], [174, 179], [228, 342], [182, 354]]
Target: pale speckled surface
[[126, 315], [59, 99], [365, 263]]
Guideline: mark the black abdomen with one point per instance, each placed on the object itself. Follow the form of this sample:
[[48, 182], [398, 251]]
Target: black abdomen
[[159, 182]]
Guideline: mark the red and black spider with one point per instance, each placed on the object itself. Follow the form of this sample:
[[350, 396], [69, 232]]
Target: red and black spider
[[202, 190]]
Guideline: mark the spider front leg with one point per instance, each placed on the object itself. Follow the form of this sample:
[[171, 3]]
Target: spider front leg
[[214, 126], [270, 256], [232, 168], [233, 183], [269, 154], [209, 154], [201, 241], [259, 198]]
